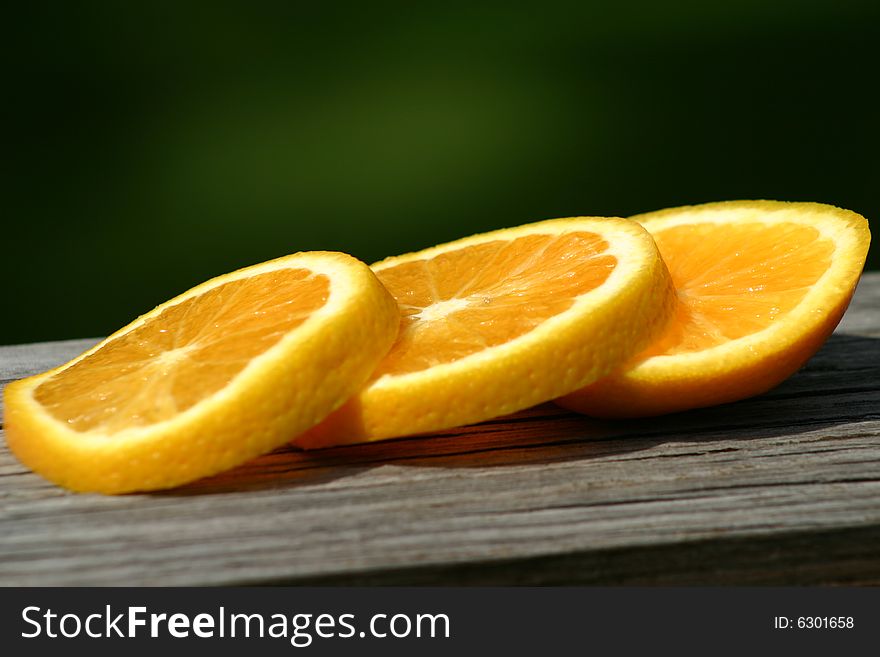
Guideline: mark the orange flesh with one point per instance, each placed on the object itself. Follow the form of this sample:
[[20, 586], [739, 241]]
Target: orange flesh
[[185, 354], [735, 281], [467, 300]]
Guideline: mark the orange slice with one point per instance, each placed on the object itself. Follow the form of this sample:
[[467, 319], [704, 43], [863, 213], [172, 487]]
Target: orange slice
[[220, 374], [501, 321], [761, 285]]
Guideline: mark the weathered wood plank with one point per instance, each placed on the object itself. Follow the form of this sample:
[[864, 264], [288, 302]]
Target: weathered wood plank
[[782, 488]]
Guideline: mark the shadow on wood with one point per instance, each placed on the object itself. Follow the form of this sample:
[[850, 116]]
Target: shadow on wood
[[800, 559], [839, 385]]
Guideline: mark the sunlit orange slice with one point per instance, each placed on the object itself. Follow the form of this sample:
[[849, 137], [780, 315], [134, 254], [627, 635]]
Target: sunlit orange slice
[[224, 372], [501, 321], [761, 285]]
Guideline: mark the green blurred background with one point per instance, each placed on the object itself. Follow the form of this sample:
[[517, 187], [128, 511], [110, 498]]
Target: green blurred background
[[151, 146]]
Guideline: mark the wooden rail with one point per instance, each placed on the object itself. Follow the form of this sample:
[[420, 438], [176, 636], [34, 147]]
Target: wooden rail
[[783, 488]]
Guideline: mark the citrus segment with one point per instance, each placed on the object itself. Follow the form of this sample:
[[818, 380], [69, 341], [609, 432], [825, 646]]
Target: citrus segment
[[531, 281], [185, 354], [222, 373], [760, 286], [498, 322]]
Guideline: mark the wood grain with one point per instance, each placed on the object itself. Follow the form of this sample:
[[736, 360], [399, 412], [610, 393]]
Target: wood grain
[[783, 488]]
